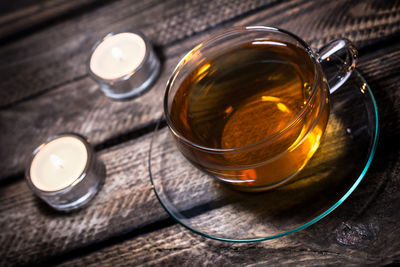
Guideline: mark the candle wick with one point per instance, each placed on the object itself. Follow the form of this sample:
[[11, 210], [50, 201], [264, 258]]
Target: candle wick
[[56, 161], [117, 53]]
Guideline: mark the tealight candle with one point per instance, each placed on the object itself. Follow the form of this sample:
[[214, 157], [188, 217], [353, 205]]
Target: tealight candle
[[65, 172], [124, 64]]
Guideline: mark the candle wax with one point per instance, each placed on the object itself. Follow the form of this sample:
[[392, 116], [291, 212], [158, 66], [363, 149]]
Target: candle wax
[[117, 56], [58, 163]]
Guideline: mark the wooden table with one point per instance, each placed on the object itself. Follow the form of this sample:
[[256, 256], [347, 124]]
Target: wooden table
[[45, 90]]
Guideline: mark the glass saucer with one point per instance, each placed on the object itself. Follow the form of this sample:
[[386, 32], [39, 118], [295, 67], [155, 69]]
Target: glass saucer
[[211, 209]]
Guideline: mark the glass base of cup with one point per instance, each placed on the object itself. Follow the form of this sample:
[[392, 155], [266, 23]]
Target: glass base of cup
[[263, 188]]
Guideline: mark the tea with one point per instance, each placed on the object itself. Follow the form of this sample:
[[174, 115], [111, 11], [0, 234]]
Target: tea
[[247, 101]]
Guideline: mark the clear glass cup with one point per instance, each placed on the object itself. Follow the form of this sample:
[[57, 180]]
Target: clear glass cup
[[274, 159]]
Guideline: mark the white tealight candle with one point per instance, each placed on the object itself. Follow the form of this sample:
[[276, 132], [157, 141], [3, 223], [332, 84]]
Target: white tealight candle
[[65, 172], [118, 55], [124, 64], [58, 163]]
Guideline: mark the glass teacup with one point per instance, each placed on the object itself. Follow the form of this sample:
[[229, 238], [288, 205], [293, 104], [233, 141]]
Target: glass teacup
[[249, 106]]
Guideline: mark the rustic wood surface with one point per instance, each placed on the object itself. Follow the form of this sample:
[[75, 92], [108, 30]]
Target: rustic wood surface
[[44, 90], [77, 114]]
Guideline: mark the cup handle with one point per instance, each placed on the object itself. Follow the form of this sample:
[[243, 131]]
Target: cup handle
[[338, 59]]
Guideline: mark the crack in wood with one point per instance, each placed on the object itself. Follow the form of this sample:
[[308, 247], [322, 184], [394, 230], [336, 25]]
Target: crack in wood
[[130, 135], [42, 92]]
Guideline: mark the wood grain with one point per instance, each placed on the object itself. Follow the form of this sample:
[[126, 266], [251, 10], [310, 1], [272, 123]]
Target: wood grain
[[31, 16], [84, 108], [176, 246], [62, 59], [45, 90], [126, 203]]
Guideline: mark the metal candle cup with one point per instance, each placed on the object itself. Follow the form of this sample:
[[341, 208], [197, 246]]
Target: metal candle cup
[[65, 172], [124, 65]]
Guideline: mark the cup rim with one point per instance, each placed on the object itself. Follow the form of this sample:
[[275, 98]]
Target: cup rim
[[297, 118]]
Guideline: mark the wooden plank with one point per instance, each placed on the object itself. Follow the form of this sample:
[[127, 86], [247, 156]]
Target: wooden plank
[[21, 18], [34, 65], [126, 202], [84, 108], [6, 9], [31, 232], [314, 246], [70, 45]]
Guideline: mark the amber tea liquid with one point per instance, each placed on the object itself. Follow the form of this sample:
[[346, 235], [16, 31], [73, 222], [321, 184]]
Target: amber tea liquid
[[252, 100]]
